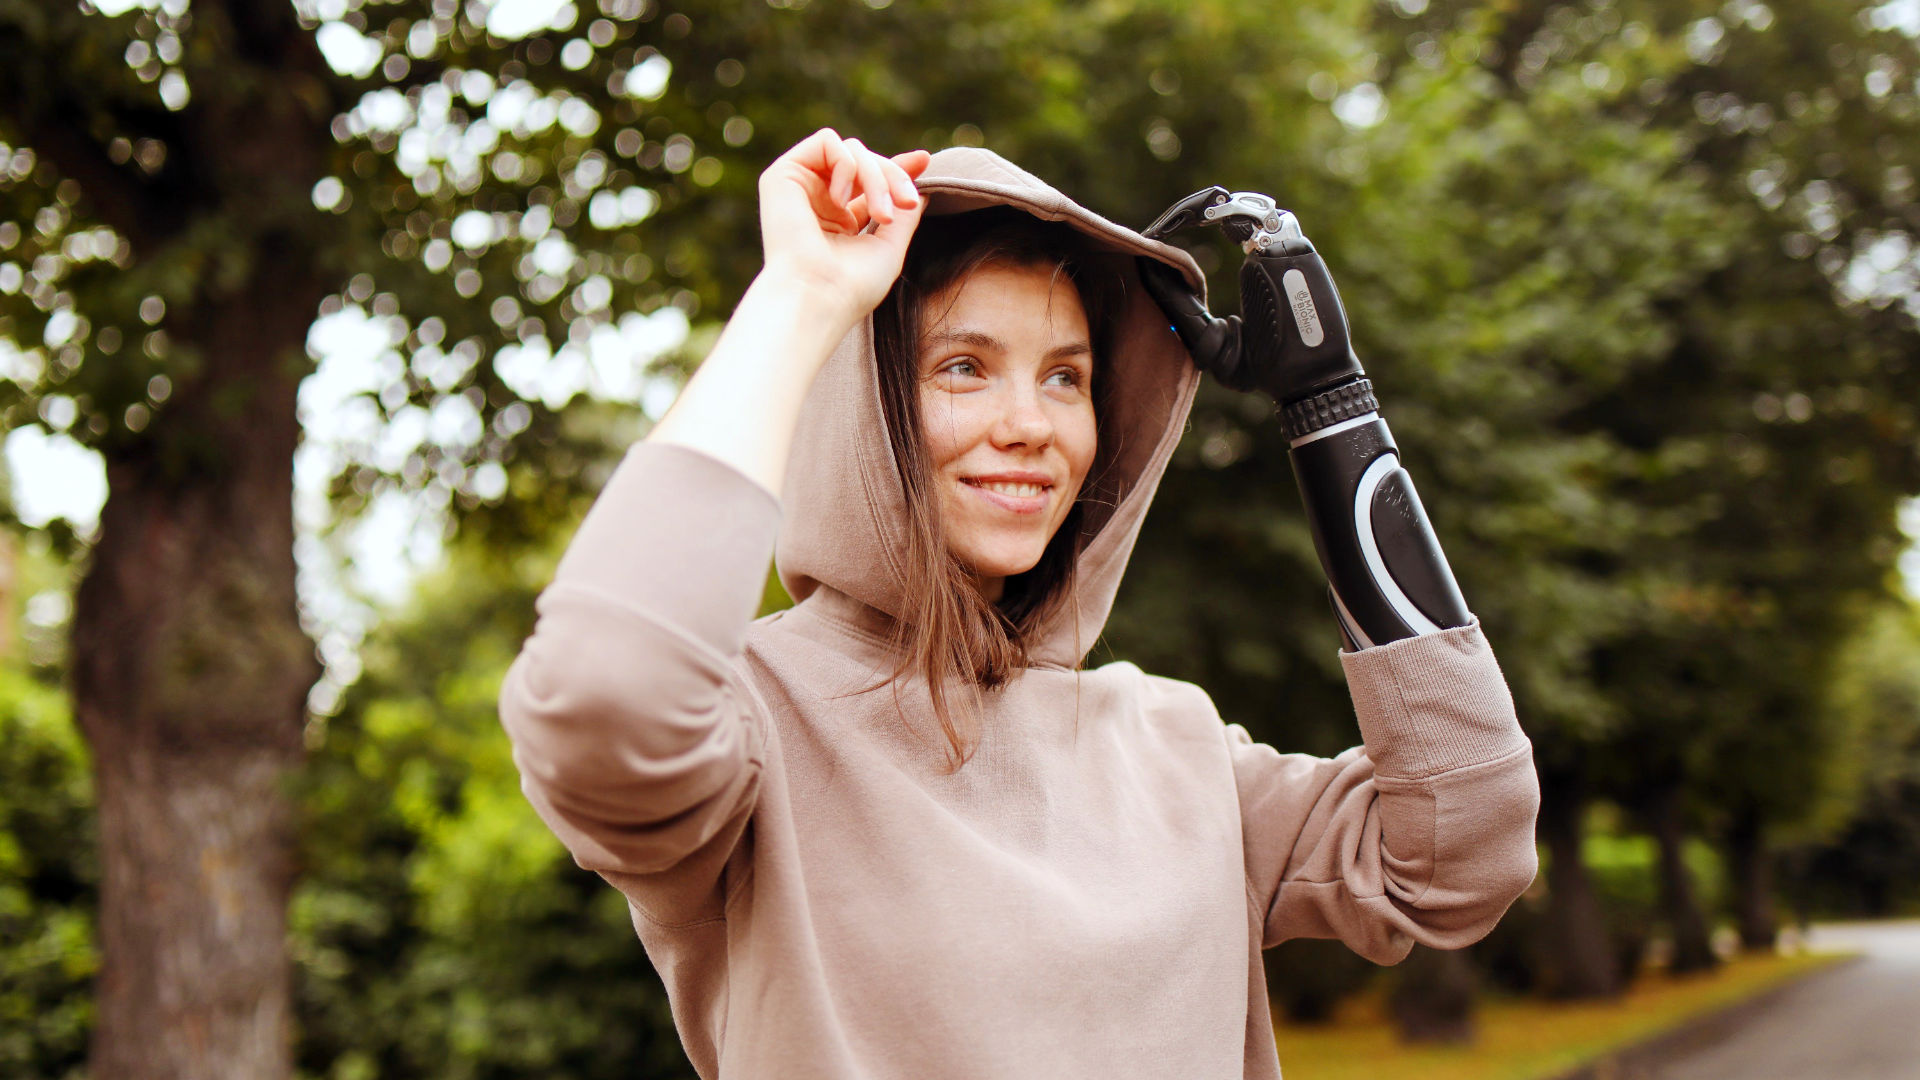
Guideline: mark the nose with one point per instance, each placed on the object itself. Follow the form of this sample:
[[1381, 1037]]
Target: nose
[[1024, 420]]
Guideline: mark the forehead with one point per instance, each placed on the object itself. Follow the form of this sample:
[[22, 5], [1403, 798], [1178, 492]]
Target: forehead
[[998, 295]]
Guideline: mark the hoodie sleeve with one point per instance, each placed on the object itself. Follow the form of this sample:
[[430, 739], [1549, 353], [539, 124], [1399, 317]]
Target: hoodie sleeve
[[636, 740], [1424, 834]]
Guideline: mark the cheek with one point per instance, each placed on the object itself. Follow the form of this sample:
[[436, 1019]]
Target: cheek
[[1079, 441], [948, 427]]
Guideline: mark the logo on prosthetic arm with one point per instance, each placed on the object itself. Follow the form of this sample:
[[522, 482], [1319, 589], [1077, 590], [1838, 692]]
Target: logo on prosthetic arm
[[1305, 315]]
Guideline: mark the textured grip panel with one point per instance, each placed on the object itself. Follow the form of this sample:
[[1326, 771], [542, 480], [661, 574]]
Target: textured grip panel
[[1329, 407], [1263, 342]]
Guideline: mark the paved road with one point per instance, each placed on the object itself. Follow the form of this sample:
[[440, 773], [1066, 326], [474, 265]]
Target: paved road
[[1861, 1022]]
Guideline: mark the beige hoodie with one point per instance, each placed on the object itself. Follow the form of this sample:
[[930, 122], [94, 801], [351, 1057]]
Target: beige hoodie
[[1089, 895]]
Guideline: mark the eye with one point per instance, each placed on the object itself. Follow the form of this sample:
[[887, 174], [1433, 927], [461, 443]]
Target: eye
[[1069, 377], [965, 367]]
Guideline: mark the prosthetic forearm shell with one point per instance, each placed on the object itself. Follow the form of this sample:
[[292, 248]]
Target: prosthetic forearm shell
[[1389, 579]]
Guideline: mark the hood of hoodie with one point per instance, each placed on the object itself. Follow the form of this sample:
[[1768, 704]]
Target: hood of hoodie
[[844, 524]]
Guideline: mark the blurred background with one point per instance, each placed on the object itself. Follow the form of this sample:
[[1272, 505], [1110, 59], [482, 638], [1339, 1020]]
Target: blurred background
[[321, 323]]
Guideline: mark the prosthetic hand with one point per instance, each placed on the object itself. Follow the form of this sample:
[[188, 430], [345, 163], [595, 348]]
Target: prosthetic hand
[[1388, 578]]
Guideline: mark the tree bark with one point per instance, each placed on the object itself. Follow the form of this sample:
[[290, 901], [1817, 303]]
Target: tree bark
[[1578, 960], [1433, 999], [1692, 944], [1751, 862], [190, 676]]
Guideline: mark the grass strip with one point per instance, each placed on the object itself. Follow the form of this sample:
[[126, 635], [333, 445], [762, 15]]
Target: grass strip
[[1525, 1038]]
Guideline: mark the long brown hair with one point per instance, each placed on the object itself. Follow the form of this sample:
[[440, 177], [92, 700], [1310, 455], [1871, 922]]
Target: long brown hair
[[949, 634]]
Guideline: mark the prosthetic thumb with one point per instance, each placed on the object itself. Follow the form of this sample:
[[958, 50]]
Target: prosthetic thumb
[[1214, 343]]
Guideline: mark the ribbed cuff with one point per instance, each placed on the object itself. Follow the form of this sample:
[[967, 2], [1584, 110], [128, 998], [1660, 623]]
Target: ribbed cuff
[[681, 537], [1432, 703]]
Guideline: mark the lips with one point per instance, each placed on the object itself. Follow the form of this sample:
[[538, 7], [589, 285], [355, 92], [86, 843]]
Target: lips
[[1019, 493]]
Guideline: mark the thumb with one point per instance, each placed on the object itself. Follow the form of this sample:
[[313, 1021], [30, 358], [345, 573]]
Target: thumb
[[1213, 343], [1169, 289]]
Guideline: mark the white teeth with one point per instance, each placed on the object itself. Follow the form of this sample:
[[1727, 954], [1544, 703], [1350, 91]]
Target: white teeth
[[1024, 491]]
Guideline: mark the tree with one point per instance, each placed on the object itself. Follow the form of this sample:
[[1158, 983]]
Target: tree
[[1791, 388], [1766, 482], [185, 189], [169, 177]]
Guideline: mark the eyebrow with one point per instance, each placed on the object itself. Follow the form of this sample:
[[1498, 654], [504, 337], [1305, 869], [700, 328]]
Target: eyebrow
[[983, 340]]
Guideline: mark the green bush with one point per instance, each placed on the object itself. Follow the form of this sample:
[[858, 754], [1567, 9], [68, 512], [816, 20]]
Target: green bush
[[48, 883], [440, 930]]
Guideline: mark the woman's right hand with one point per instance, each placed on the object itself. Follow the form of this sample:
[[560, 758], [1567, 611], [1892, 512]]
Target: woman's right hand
[[816, 202]]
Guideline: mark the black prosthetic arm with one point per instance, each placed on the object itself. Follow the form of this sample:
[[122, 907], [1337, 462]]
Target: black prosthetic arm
[[1388, 577]]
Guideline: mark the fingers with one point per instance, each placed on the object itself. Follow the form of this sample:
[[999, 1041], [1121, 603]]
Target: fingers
[[812, 153], [848, 185], [900, 180], [858, 210], [822, 156], [873, 182], [851, 169], [913, 162], [844, 172], [830, 211]]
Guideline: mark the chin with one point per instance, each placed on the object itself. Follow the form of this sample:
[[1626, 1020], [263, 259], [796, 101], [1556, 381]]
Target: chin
[[1003, 560]]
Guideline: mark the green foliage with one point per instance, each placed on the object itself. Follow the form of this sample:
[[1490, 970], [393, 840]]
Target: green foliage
[[1876, 694], [1861, 856], [1604, 260], [1788, 396], [48, 878], [441, 930], [1567, 224], [1625, 867], [49, 866]]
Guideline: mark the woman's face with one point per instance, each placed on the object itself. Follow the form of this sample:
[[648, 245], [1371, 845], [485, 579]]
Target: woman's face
[[1006, 372]]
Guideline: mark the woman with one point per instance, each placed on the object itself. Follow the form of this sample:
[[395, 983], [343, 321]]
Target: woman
[[896, 830]]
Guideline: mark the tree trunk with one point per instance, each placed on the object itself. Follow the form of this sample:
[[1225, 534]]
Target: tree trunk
[[189, 666], [1752, 865], [1432, 1002], [1692, 945], [1578, 958], [190, 675]]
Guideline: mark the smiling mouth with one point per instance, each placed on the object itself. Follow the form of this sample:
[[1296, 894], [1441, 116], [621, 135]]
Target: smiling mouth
[[1023, 498], [1011, 488]]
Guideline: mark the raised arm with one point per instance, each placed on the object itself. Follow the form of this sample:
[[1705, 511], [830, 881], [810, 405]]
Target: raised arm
[[1426, 833], [636, 739], [824, 271]]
